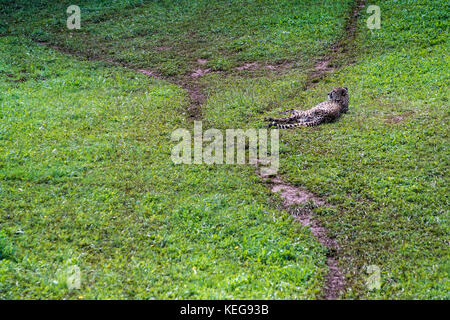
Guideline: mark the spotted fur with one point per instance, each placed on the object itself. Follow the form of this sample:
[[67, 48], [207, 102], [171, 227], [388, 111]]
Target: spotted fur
[[327, 111]]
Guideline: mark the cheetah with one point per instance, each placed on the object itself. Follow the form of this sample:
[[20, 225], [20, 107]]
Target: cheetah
[[327, 111]]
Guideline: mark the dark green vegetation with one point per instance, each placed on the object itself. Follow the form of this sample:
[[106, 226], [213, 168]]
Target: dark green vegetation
[[86, 176]]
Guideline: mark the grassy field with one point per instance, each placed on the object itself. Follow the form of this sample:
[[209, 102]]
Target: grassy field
[[170, 36], [86, 177], [87, 181]]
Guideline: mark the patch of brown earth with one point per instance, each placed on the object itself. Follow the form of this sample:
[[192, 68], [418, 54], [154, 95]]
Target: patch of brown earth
[[294, 196], [323, 66], [197, 98], [394, 119], [248, 66], [256, 66], [202, 61], [163, 48], [200, 72], [149, 73], [271, 67], [398, 118]]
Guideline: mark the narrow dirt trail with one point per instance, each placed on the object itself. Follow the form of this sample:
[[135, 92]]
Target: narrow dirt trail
[[339, 51], [294, 196]]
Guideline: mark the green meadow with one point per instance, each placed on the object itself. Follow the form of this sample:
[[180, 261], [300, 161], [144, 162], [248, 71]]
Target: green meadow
[[87, 180]]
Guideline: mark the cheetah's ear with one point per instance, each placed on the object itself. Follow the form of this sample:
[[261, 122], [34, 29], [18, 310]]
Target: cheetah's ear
[[346, 89]]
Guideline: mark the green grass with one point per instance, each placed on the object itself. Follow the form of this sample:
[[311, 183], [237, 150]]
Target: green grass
[[86, 176], [384, 165], [169, 36], [87, 180], [6, 248]]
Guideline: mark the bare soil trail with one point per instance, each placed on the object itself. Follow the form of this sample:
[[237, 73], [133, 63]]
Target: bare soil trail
[[294, 196], [340, 51]]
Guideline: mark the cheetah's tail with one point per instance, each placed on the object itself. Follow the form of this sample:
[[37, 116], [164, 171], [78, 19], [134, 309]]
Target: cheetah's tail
[[297, 124], [287, 119]]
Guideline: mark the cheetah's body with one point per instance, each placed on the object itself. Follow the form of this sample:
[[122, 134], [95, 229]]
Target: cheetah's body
[[327, 111]]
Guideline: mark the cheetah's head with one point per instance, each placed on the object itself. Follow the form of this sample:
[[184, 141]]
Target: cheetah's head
[[340, 95]]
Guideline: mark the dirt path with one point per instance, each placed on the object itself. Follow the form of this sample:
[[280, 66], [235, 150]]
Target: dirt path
[[291, 195], [197, 98], [340, 52], [295, 199]]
